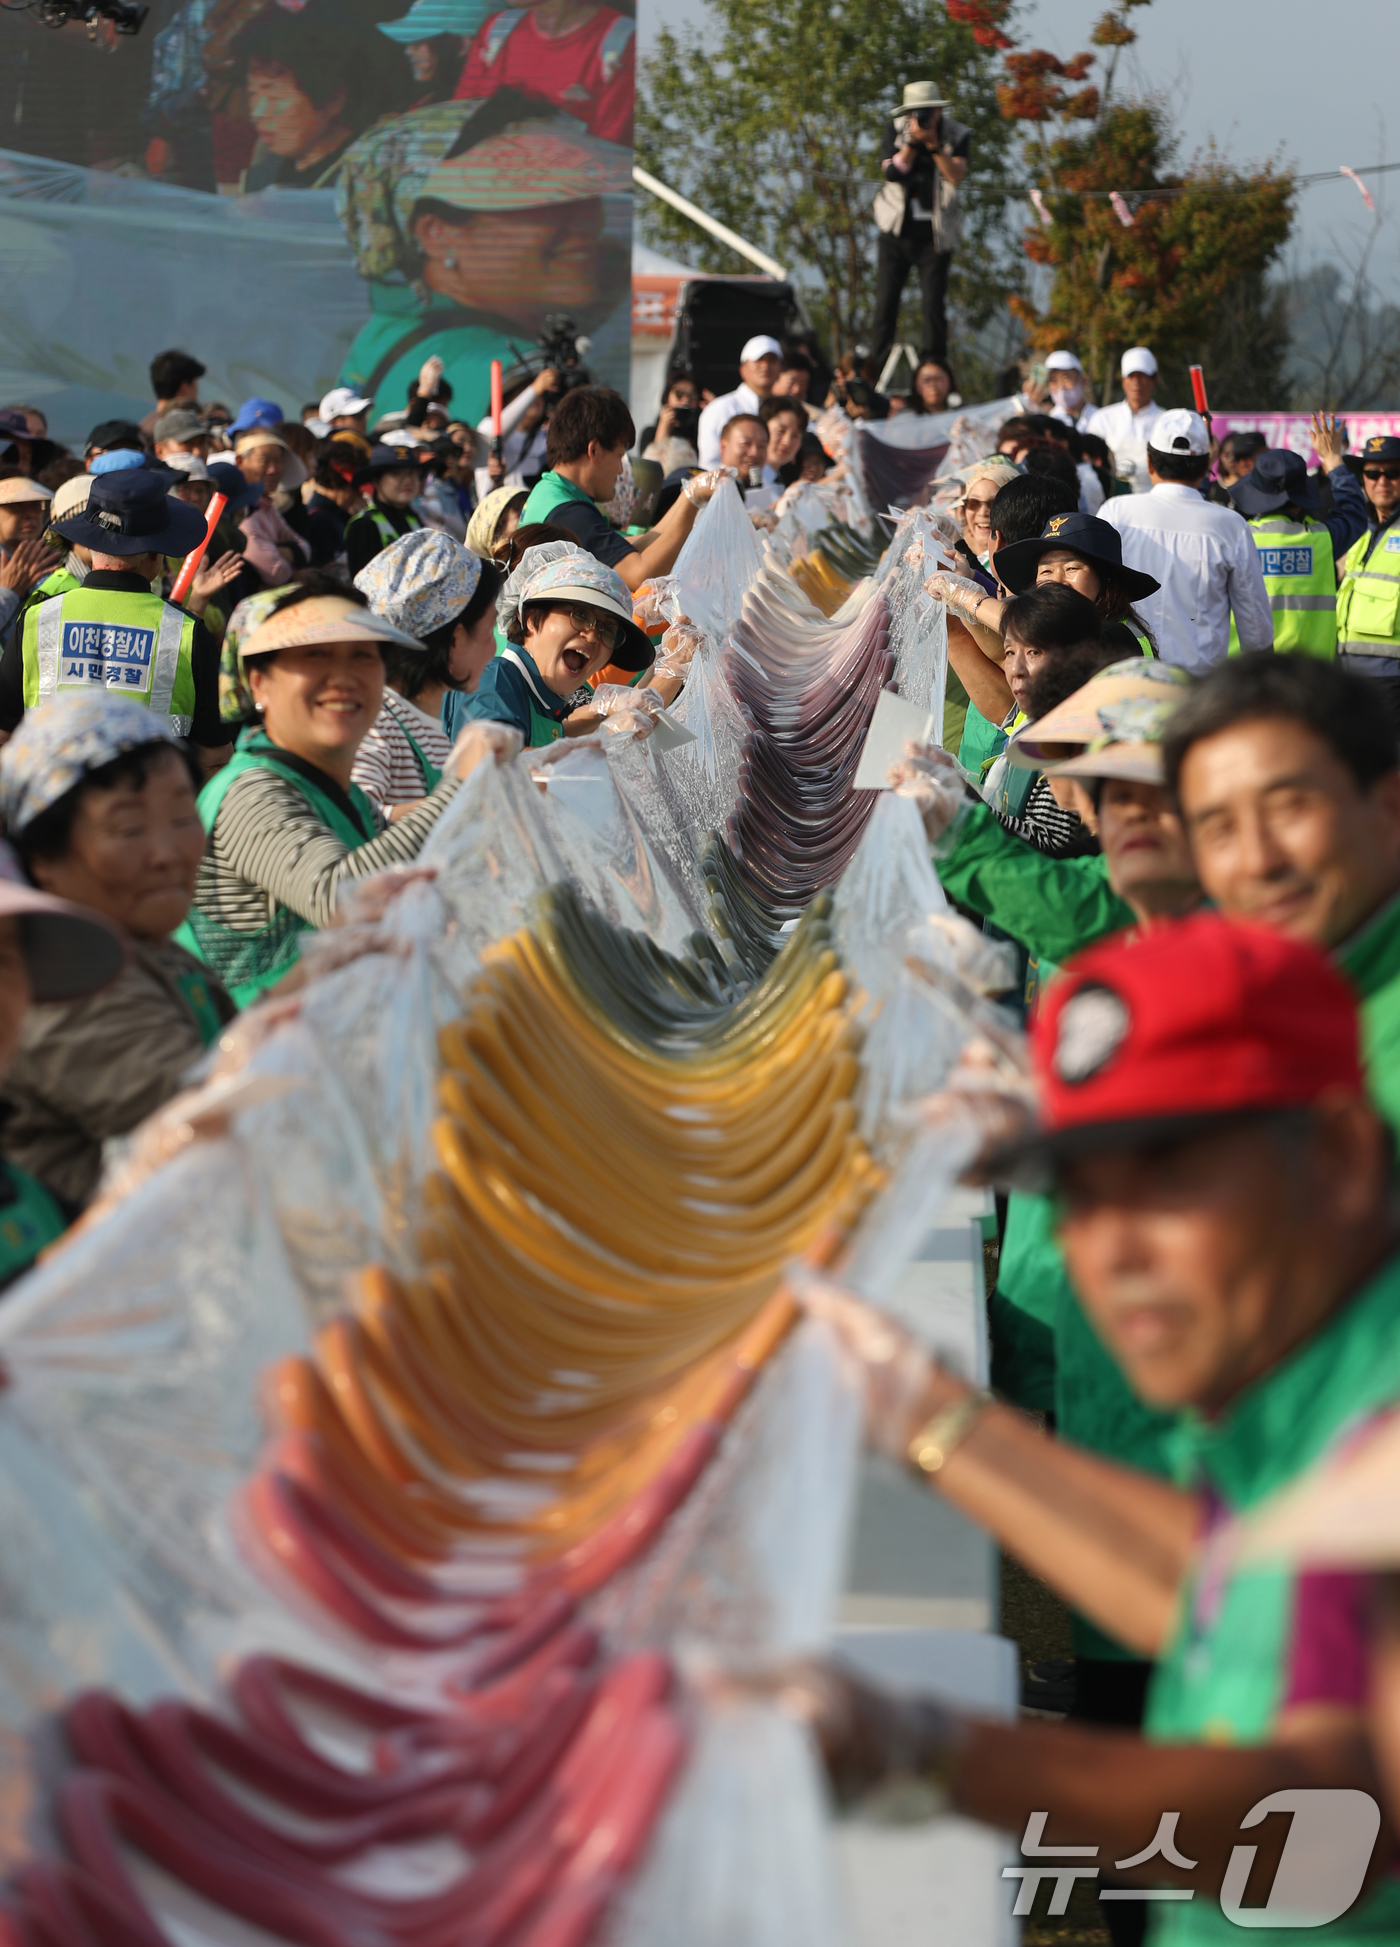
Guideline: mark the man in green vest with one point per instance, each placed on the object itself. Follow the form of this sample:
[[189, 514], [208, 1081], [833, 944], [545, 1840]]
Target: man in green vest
[[1368, 601], [1299, 546], [113, 633], [1228, 1217], [590, 431]]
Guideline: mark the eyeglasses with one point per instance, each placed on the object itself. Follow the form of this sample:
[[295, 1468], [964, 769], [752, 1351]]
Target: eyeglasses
[[589, 621], [1380, 473]]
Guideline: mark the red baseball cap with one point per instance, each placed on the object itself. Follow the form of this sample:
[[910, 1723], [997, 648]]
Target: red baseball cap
[[1157, 1036]]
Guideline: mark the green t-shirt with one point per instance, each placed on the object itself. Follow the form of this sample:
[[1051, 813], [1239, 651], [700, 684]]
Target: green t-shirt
[[1371, 959]]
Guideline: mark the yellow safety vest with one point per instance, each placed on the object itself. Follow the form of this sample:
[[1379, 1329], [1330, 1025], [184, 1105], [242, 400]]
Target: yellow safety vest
[[1300, 577], [104, 638], [1368, 601]]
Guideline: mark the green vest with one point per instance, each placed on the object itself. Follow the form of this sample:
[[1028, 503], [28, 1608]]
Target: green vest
[[29, 1220], [551, 490], [1368, 601], [60, 582], [385, 528], [544, 729], [1300, 577], [1222, 1677], [136, 646], [249, 963]]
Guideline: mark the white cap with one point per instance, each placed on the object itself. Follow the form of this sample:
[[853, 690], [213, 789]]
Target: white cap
[[1180, 431], [1138, 358], [404, 436], [762, 347], [1063, 362], [341, 403], [317, 427]]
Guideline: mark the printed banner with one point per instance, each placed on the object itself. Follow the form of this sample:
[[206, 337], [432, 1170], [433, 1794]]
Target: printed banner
[[1290, 429], [310, 192]]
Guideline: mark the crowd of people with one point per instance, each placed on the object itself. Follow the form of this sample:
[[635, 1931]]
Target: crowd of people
[[1175, 792]]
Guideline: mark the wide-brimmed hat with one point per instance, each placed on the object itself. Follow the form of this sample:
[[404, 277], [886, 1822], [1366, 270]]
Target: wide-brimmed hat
[[558, 572], [420, 582], [426, 19], [294, 473], [18, 489], [1381, 446], [71, 497], [1112, 727], [384, 459], [921, 94], [321, 618], [1278, 477], [1093, 541], [14, 425], [486, 518], [69, 950], [132, 512]]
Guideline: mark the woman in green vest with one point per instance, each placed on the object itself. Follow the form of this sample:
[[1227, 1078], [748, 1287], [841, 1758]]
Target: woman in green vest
[[1299, 546], [49, 951], [288, 828], [395, 480], [566, 617]]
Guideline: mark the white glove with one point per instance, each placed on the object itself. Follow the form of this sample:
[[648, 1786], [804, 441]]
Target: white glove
[[702, 487], [934, 783], [610, 698], [479, 741], [957, 591]]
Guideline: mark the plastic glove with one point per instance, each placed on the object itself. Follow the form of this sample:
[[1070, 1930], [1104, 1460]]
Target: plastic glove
[[943, 525], [901, 1386], [658, 601], [609, 698], [958, 591], [702, 487], [936, 786], [628, 723], [763, 519], [498, 741]]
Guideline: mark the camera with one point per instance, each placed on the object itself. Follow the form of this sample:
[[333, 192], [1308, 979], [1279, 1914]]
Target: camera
[[125, 15], [559, 348]]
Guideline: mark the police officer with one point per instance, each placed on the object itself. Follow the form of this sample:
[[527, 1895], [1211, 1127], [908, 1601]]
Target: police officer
[[1368, 601], [1298, 550], [113, 633]]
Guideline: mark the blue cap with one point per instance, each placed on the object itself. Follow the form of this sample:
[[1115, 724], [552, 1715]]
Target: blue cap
[[121, 460], [257, 412]]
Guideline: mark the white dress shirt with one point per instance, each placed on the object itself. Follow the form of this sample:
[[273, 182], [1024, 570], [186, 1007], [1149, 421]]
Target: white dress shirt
[[717, 416], [1205, 558], [1125, 434]]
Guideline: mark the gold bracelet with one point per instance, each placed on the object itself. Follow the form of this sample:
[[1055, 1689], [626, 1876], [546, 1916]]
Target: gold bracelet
[[940, 1437]]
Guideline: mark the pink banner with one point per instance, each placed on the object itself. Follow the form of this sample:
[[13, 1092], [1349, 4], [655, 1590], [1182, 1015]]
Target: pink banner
[[1291, 428]]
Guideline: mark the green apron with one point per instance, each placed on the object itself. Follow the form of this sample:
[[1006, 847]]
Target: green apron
[[249, 963], [1222, 1678]]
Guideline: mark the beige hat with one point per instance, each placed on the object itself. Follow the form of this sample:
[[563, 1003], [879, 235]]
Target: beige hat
[[922, 94], [293, 472], [71, 497], [322, 618], [18, 488], [1112, 727]]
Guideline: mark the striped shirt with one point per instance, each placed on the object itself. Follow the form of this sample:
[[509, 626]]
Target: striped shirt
[[1049, 828], [386, 767], [269, 848]]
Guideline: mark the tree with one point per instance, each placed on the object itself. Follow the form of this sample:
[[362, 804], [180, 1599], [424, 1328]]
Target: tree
[[1138, 251], [772, 122]]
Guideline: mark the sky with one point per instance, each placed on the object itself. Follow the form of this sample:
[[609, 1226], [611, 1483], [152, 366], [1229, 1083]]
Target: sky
[[1262, 78]]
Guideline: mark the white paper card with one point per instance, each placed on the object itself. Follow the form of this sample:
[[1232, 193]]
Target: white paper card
[[893, 725]]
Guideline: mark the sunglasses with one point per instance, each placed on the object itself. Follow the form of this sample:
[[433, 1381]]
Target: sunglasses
[[588, 621], [1380, 473]]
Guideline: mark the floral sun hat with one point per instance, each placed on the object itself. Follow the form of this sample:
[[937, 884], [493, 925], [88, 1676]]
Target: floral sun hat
[[58, 744], [421, 581]]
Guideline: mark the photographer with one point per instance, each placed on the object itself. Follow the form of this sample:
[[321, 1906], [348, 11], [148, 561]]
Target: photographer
[[679, 417], [924, 159]]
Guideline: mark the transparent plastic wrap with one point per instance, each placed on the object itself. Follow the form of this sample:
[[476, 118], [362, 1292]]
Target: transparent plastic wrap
[[888, 889], [918, 624], [718, 562], [134, 1356], [743, 1856], [701, 780]]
